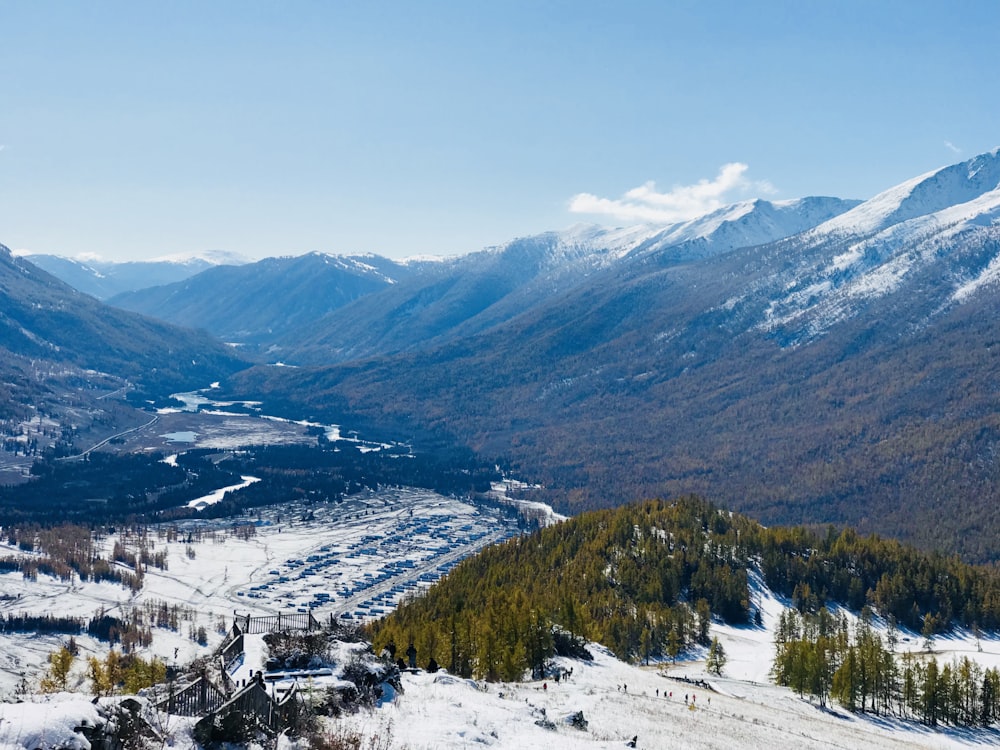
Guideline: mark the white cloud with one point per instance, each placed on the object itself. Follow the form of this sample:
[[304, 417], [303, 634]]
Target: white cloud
[[952, 147], [681, 203]]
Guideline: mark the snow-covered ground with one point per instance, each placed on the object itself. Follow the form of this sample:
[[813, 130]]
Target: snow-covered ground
[[743, 709], [355, 559], [620, 702], [663, 706], [367, 553]]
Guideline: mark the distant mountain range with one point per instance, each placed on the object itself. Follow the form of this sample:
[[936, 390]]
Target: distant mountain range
[[845, 373], [291, 307], [44, 319], [104, 279], [264, 303], [62, 353], [815, 361]]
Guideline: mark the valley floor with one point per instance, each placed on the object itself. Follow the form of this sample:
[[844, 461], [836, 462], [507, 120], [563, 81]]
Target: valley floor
[[356, 558]]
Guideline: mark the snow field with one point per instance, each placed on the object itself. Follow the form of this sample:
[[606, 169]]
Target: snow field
[[356, 546], [354, 543], [620, 701]]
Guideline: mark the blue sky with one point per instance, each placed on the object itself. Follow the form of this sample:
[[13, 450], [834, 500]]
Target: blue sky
[[135, 129]]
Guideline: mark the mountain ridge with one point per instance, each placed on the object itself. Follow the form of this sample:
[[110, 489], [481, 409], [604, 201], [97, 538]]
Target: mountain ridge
[[274, 296], [523, 269], [471, 294], [104, 279], [70, 365], [768, 378]]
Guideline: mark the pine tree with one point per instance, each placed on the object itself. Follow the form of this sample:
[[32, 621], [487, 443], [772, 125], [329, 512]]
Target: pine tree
[[930, 694], [646, 643], [928, 630], [845, 681], [60, 663], [716, 661], [97, 671], [673, 644], [704, 613]]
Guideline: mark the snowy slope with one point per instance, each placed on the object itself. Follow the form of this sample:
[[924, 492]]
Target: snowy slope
[[955, 245], [104, 279], [662, 705], [744, 224], [619, 702], [740, 709], [468, 295], [927, 244], [926, 194]]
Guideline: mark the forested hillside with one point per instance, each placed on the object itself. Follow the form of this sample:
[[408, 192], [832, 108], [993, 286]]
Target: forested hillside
[[610, 397], [264, 303], [45, 321], [645, 580], [845, 375]]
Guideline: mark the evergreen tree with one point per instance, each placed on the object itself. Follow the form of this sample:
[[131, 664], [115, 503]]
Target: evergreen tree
[[60, 662], [928, 630], [716, 661], [97, 671], [930, 694]]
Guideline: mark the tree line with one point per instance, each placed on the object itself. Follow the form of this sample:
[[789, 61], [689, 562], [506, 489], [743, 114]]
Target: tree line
[[643, 579], [138, 488], [646, 579], [824, 657]]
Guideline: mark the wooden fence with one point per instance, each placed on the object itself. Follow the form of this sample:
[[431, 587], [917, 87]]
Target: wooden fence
[[276, 623], [231, 652], [251, 706], [198, 698]]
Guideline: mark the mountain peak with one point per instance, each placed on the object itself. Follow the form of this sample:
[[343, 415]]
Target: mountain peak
[[926, 194], [206, 257], [743, 224]]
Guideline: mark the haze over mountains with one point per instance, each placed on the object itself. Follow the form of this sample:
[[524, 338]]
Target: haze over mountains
[[819, 360], [69, 363], [104, 279], [43, 320], [266, 302]]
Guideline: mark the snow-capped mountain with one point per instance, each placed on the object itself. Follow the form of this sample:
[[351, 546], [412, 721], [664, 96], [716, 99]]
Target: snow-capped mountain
[[204, 258], [937, 232], [278, 303], [798, 359], [104, 279], [470, 294], [844, 368], [927, 194], [743, 224], [261, 303]]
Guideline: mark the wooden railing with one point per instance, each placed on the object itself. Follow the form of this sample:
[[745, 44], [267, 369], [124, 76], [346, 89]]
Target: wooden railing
[[231, 652], [251, 706], [275, 623], [198, 698], [202, 698]]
